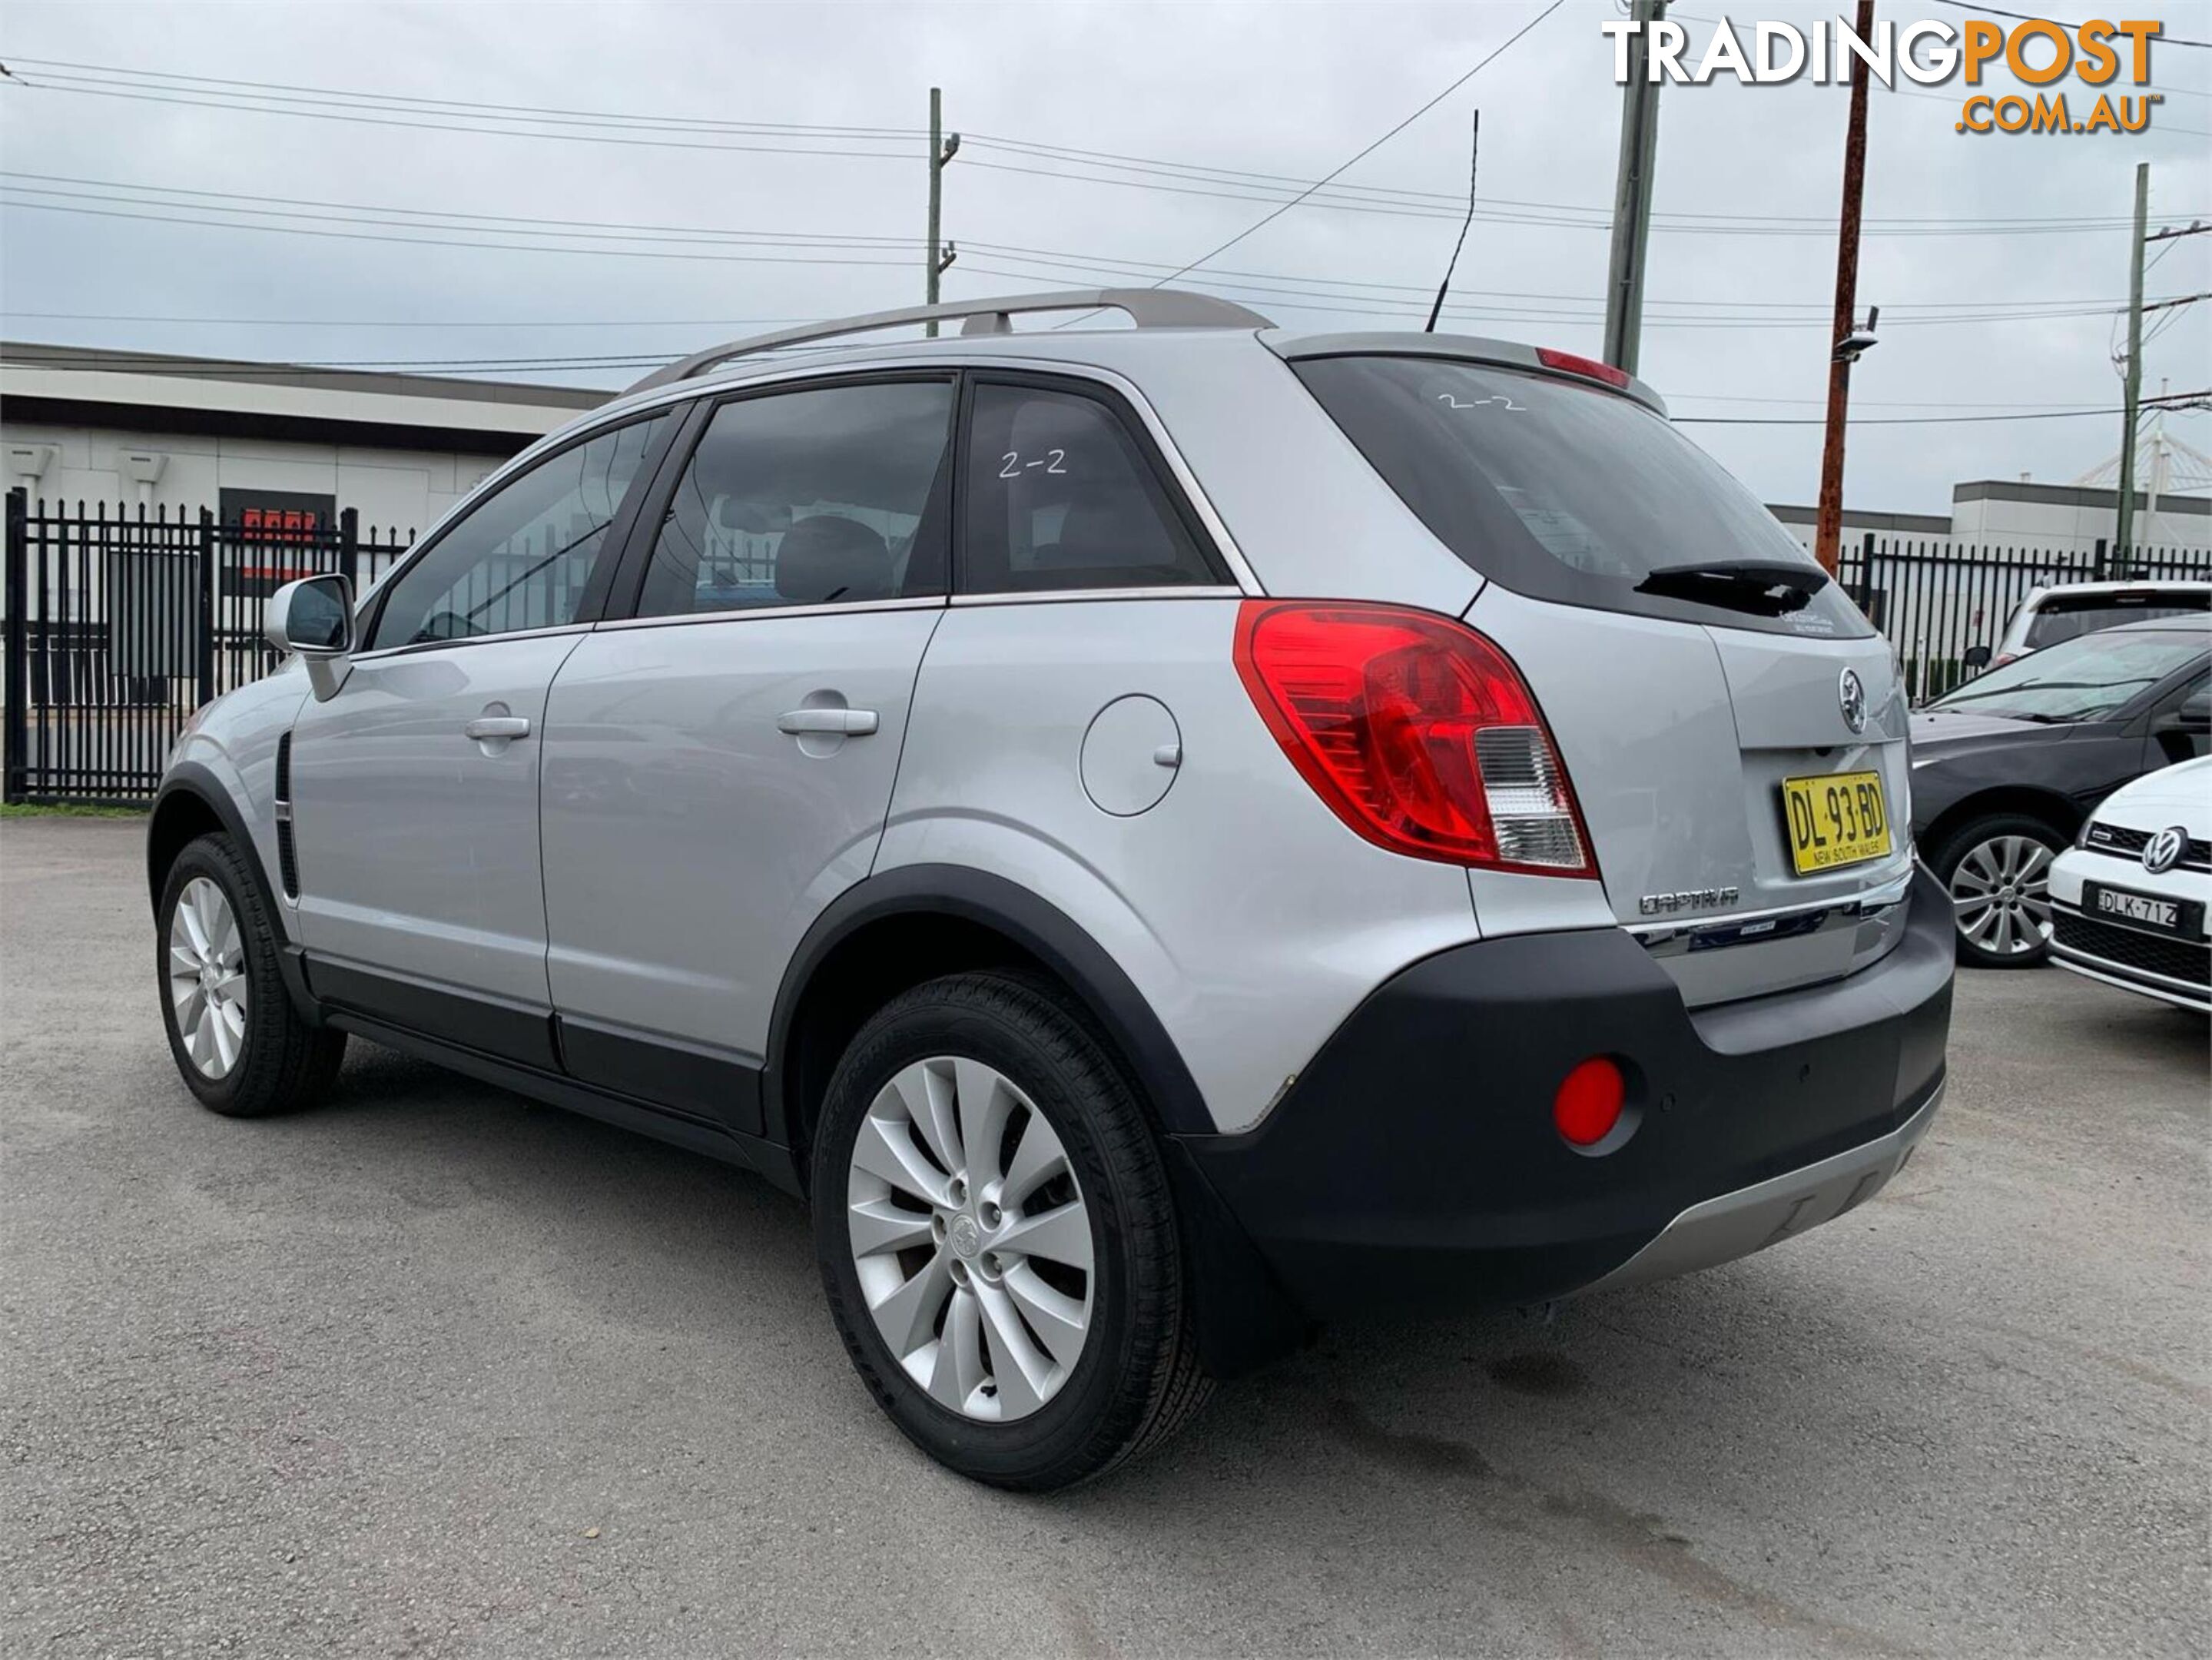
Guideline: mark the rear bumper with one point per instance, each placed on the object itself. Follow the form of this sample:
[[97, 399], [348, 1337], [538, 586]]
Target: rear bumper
[[1751, 1219], [1414, 1166]]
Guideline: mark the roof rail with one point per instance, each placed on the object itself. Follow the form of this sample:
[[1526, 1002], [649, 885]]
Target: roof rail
[[1148, 308]]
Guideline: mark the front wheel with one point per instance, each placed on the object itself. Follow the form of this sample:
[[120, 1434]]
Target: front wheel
[[239, 1045], [997, 1239], [1998, 870]]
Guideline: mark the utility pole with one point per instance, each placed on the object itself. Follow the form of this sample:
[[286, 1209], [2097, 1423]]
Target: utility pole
[[942, 149], [1828, 536], [2131, 398], [1632, 197]]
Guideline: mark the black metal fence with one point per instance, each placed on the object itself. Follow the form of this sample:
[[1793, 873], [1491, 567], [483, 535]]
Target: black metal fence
[[1934, 597], [121, 624]]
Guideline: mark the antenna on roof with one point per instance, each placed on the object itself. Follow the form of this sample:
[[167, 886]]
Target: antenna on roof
[[1473, 150]]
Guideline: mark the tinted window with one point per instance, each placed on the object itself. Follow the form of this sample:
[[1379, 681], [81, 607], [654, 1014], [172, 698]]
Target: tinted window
[[522, 557], [2084, 679], [1060, 496], [804, 498], [1563, 491], [2069, 617]]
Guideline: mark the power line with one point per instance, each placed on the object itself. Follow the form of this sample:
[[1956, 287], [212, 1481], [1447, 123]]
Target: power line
[[1267, 219], [185, 206], [405, 322], [367, 213], [481, 105], [451, 242], [1292, 295], [1444, 202], [2030, 17], [377, 109], [115, 90]]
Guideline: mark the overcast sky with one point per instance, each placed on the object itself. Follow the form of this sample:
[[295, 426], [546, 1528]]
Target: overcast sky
[[1290, 90]]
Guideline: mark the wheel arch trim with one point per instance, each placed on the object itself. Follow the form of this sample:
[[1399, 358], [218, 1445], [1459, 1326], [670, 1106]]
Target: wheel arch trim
[[193, 781], [2061, 812], [962, 893]]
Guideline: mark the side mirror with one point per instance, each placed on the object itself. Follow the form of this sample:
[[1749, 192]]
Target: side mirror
[[313, 616], [1976, 657], [2195, 715]]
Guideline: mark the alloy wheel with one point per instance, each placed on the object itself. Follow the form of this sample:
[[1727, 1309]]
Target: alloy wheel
[[207, 978], [2000, 894], [971, 1239]]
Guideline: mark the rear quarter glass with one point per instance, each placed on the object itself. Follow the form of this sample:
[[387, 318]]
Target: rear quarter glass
[[1559, 490]]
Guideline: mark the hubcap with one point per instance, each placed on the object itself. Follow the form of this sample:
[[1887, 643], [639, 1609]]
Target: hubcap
[[2001, 894], [971, 1239], [207, 978]]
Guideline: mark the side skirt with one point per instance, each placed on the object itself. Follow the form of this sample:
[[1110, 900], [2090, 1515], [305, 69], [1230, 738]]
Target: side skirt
[[684, 1129]]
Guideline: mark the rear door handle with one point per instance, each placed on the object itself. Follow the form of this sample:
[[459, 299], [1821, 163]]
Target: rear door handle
[[849, 723], [497, 725]]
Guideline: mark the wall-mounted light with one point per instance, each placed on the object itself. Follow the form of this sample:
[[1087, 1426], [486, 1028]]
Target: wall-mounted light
[[143, 468]]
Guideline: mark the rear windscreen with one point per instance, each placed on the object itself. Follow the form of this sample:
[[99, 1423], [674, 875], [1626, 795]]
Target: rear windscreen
[[2069, 617], [1561, 491]]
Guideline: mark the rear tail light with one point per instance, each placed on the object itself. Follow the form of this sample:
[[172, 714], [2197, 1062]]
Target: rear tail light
[[1588, 367], [1416, 730]]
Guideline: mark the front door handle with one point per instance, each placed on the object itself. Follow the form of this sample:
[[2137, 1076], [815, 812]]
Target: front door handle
[[486, 727], [847, 723]]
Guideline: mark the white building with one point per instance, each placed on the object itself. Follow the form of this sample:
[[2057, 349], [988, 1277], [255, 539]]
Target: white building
[[249, 440], [2004, 516]]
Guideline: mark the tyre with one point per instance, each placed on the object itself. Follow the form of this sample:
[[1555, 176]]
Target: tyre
[[238, 1043], [1997, 871], [997, 1239]]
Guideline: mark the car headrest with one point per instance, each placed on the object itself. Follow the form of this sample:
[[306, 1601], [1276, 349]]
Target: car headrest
[[1104, 529], [828, 556]]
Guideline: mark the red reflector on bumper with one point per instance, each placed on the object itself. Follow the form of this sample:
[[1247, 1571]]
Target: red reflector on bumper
[[1590, 1101]]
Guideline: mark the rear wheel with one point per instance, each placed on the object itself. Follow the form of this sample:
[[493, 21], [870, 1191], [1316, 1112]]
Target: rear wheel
[[996, 1237], [237, 1040], [1997, 869]]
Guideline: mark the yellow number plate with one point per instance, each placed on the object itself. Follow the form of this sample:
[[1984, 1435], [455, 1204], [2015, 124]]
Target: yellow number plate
[[1837, 820]]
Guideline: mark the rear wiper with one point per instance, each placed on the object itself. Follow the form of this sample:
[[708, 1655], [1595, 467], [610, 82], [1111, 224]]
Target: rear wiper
[[1763, 587]]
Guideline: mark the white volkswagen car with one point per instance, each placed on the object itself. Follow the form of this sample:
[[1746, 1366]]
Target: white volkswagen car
[[2130, 899]]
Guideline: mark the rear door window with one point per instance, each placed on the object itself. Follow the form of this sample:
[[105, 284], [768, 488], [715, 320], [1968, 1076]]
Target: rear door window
[[823, 496], [1061, 495], [1572, 493]]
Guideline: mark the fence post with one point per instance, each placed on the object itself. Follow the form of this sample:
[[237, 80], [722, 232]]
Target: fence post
[[1866, 572], [19, 680], [2097, 570], [349, 546], [205, 627]]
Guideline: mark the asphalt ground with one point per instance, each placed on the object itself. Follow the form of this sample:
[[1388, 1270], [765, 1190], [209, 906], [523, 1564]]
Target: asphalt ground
[[432, 1371]]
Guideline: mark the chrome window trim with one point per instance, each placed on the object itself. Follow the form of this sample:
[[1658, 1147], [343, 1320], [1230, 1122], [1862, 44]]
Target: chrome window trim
[[415, 647], [1053, 596], [743, 613], [616, 414], [1670, 939]]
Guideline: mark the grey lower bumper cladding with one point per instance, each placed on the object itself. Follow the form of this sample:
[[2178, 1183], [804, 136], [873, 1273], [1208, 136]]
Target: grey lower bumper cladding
[[1732, 1224]]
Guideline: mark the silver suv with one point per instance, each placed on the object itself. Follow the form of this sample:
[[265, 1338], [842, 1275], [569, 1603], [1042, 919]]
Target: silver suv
[[1165, 835]]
